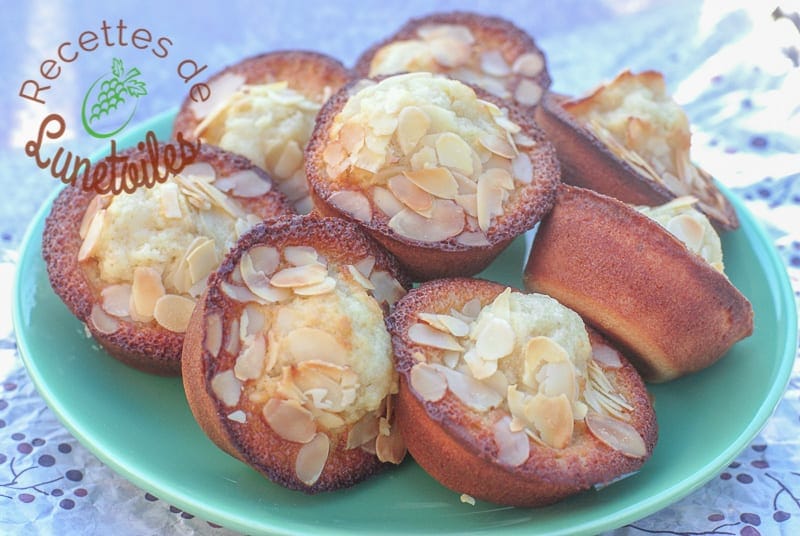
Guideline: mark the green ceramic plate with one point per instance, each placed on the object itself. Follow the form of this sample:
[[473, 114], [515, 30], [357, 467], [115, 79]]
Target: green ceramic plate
[[141, 426]]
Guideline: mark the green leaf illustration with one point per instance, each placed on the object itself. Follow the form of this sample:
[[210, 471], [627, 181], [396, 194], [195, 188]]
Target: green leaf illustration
[[116, 68], [135, 88]]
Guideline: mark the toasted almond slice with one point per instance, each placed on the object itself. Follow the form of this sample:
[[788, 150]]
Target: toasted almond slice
[[489, 198], [237, 293], [447, 220], [212, 341], [299, 276], [386, 201], [364, 430], [221, 89], [427, 382], [552, 417], [244, 183], [423, 159], [529, 64], [170, 205], [146, 290], [258, 283], [507, 124], [291, 159], [97, 203], [353, 203], [449, 52], [479, 368], [306, 344], [251, 322], [688, 230], [495, 340], [226, 387], [116, 299], [387, 289], [539, 351], [333, 155], [103, 322], [466, 185], [493, 63], [436, 181], [606, 356], [351, 136], [446, 323], [427, 336], [359, 277], [528, 92], [173, 312], [238, 416], [264, 258], [476, 239], [300, 255], [472, 308], [202, 261], [250, 362], [295, 188], [498, 381], [232, 342], [390, 447], [558, 378], [411, 195], [323, 287], [497, 145], [522, 168], [618, 435], [513, 448], [523, 140], [452, 151], [290, 420], [473, 393], [413, 123], [365, 265], [469, 203], [199, 171], [92, 236]]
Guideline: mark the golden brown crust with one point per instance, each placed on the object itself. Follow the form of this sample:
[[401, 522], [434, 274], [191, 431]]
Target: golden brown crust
[[145, 346], [636, 283], [588, 162], [254, 442], [492, 33], [451, 443], [309, 73], [448, 258]]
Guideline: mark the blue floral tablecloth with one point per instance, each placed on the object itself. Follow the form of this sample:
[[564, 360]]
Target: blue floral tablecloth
[[732, 65]]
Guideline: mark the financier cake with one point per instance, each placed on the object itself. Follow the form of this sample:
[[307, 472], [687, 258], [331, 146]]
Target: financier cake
[[264, 108], [488, 52], [131, 266], [442, 174], [651, 280], [509, 398], [630, 140], [287, 363]]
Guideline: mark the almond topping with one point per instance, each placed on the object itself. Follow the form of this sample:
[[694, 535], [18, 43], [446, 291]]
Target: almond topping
[[410, 194], [291, 159], [530, 64], [390, 447], [97, 203], [200, 171], [353, 203], [489, 198], [552, 418], [251, 322], [427, 382], [436, 181], [323, 287], [618, 435], [244, 183], [257, 282], [365, 265], [688, 230], [606, 356], [173, 312], [92, 236], [213, 334], [493, 63], [250, 362], [364, 430], [116, 299], [351, 136], [305, 344], [170, 205], [238, 416], [449, 52], [300, 255], [202, 260], [226, 388], [447, 220], [495, 340], [359, 277], [146, 290], [539, 351], [427, 336], [413, 123], [498, 145], [386, 201], [265, 258], [238, 293], [528, 92], [299, 276], [290, 420], [454, 152], [522, 168], [513, 448], [446, 323], [102, 322], [387, 289], [471, 392], [454, 31], [479, 368], [311, 459], [476, 239]]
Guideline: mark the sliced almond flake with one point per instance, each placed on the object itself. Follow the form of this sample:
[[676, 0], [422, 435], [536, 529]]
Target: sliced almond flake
[[455, 31], [498, 145], [290, 160], [244, 183], [387, 289], [295, 188], [427, 336], [238, 416], [411, 195], [351, 136], [221, 89], [467, 499], [412, 124], [528, 92], [447, 220], [522, 168], [226, 387], [199, 171], [523, 140], [212, 340], [323, 287], [103, 322], [264, 258], [498, 381], [424, 158], [334, 156], [606, 356], [471, 392], [688, 230], [495, 340], [450, 358], [558, 378], [222, 201], [616, 434], [359, 277], [290, 420], [493, 63], [307, 344], [489, 198], [390, 448], [92, 236], [429, 384], [452, 151], [479, 368], [353, 203], [97, 203], [513, 448], [146, 289], [251, 322], [436, 181], [508, 125], [553, 419], [365, 265], [232, 342], [300, 255], [116, 299], [363, 431], [386, 201], [466, 185], [299, 276], [529, 64], [202, 260], [258, 284], [539, 351], [449, 52], [472, 308], [469, 203], [250, 362], [173, 312], [470, 239], [241, 294], [170, 204]]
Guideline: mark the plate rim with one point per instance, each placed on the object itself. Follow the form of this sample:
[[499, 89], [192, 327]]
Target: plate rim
[[666, 497]]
